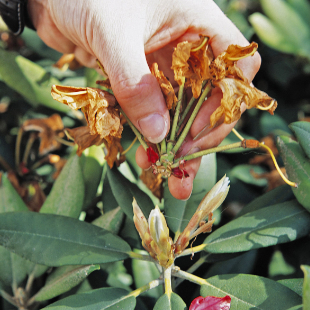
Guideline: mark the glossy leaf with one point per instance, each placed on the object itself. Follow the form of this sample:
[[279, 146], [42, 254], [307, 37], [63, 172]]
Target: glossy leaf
[[272, 225], [99, 299], [243, 173], [297, 167], [302, 132], [150, 273], [55, 240], [280, 194], [288, 20], [293, 284], [29, 80], [92, 166], [67, 194], [63, 279], [251, 292], [9, 198], [110, 220], [13, 269], [178, 212], [271, 34], [306, 287], [124, 191], [175, 302]]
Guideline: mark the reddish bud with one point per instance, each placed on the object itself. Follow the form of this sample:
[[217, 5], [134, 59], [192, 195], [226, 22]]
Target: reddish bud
[[179, 173], [152, 155], [23, 169], [211, 303]]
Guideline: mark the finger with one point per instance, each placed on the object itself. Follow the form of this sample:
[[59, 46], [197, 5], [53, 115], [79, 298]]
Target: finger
[[141, 158], [134, 87], [182, 188]]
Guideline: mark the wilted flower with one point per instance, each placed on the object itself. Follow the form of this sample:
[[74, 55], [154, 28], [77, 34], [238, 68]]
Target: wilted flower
[[211, 303], [49, 129], [209, 203]]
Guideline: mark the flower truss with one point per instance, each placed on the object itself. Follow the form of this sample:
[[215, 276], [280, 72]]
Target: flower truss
[[196, 69], [163, 250]]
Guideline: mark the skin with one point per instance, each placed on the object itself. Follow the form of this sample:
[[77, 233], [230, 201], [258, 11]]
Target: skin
[[126, 36]]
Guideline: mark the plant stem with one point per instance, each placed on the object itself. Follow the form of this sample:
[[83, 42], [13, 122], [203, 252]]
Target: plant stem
[[145, 288], [4, 164], [206, 152], [188, 276], [188, 107], [191, 119], [63, 141], [130, 146], [191, 251], [167, 277], [176, 116], [163, 147], [135, 130], [191, 269]]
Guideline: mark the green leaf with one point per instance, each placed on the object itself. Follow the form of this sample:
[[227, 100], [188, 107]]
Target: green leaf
[[301, 7], [297, 167], [124, 191], [92, 166], [175, 302], [302, 132], [178, 212], [243, 173], [278, 266], [251, 292], [288, 20], [293, 284], [13, 268], [272, 124], [272, 225], [30, 80], [150, 273], [271, 34], [55, 240], [306, 287], [9, 199], [118, 276], [67, 194], [99, 299], [63, 279], [110, 220], [275, 196]]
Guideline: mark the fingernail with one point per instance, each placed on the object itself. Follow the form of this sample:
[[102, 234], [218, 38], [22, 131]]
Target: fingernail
[[203, 132], [154, 127]]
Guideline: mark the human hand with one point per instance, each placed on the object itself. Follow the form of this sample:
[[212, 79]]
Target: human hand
[[120, 34]]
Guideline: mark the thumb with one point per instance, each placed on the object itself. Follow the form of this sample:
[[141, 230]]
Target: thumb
[[136, 89]]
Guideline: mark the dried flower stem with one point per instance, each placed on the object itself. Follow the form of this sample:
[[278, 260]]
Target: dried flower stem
[[191, 119], [176, 116], [62, 141], [206, 152], [130, 146], [293, 184], [17, 147], [135, 130], [285, 179], [76, 93], [28, 147]]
